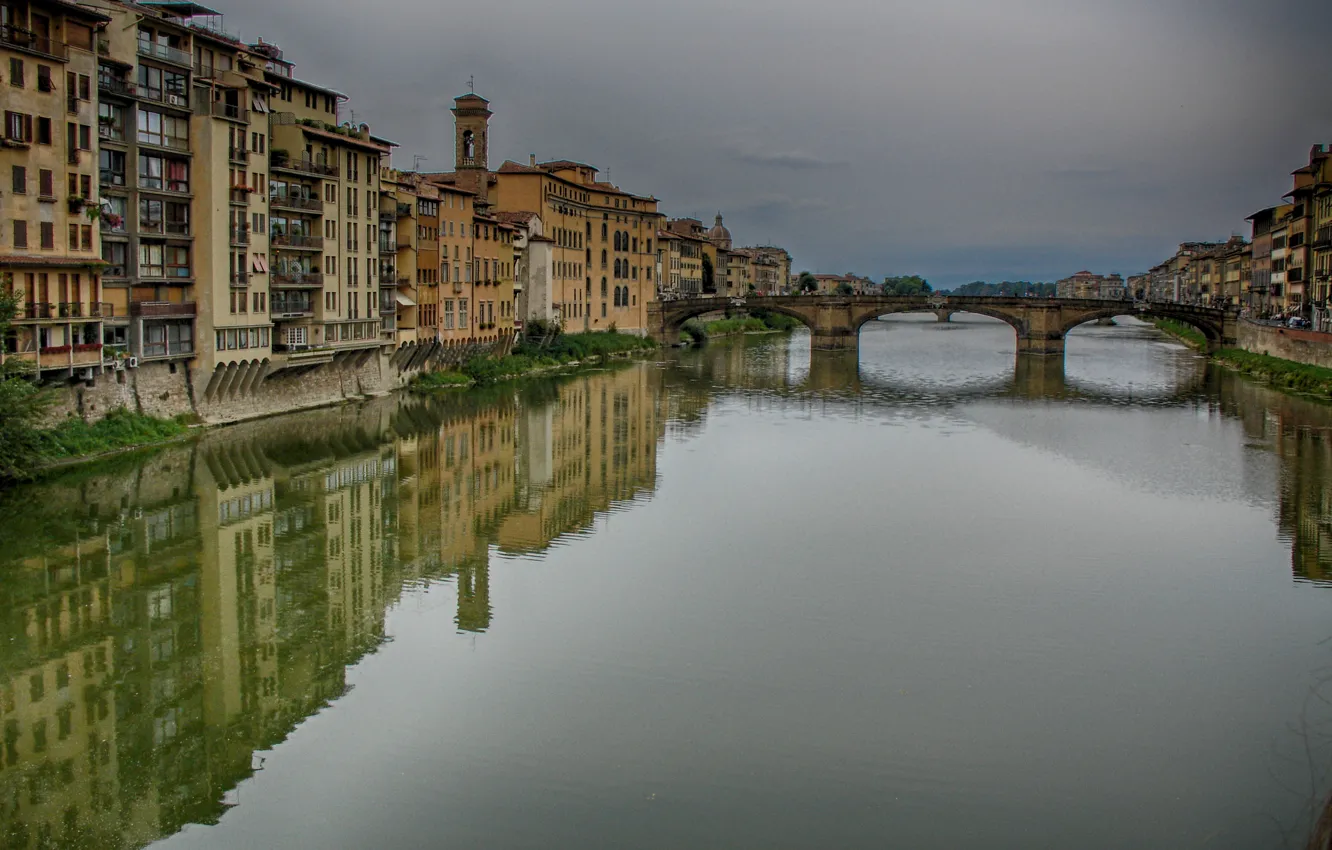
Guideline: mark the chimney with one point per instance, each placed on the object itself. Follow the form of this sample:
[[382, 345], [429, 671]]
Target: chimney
[[531, 160]]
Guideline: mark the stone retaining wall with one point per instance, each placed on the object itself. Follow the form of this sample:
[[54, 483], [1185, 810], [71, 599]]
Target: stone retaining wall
[[166, 390], [1309, 347]]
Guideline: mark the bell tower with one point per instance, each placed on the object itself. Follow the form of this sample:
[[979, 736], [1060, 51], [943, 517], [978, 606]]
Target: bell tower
[[471, 121]]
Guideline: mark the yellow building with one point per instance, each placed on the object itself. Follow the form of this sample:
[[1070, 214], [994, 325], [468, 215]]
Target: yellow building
[[602, 236], [49, 245]]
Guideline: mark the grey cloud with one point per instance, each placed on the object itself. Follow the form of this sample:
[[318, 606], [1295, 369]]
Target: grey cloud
[[793, 160], [965, 139]]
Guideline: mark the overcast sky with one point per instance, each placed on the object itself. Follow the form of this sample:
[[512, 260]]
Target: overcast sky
[[957, 139]]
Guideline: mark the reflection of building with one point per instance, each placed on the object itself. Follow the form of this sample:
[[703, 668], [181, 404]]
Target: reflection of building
[[222, 591], [594, 446]]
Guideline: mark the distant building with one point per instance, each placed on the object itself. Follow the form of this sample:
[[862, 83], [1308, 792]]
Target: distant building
[[1084, 284]]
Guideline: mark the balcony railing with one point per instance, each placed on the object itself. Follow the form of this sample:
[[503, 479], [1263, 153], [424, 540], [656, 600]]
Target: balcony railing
[[168, 348], [73, 157], [236, 112], [404, 210], [240, 196], [240, 235], [107, 177], [295, 202], [304, 166], [281, 307], [387, 246], [296, 240], [114, 86], [297, 279], [29, 311], [159, 95], [240, 280], [28, 40], [238, 155], [162, 308], [1323, 238], [154, 50]]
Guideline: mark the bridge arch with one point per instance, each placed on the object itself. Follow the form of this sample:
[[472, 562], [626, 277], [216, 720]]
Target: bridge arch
[[872, 313], [676, 313], [1204, 324]]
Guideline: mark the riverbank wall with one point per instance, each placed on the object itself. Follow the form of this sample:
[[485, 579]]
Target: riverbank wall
[[253, 390], [1311, 348]]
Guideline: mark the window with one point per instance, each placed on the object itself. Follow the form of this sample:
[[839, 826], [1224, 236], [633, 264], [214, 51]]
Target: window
[[111, 121], [48, 236], [111, 167], [168, 131], [16, 73], [43, 131], [85, 87], [151, 259], [19, 180], [20, 233], [114, 255], [18, 126], [85, 137]]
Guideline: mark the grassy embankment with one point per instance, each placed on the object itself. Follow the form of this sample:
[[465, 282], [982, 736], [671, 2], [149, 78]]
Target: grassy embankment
[[1278, 373], [759, 321], [534, 356]]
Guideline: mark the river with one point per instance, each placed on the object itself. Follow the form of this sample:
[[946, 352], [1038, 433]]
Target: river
[[741, 596]]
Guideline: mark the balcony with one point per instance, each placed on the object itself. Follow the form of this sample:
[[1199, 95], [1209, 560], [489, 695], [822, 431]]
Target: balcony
[[230, 111], [149, 309], [303, 166], [167, 54], [388, 215], [107, 177], [157, 95], [387, 246], [297, 279], [404, 210], [297, 241], [28, 311], [295, 202], [1323, 238], [240, 235], [241, 156], [12, 36], [290, 308], [114, 86], [240, 280]]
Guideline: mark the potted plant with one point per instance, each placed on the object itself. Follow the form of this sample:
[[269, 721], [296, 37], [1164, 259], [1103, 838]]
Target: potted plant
[[93, 212], [280, 156], [77, 203]]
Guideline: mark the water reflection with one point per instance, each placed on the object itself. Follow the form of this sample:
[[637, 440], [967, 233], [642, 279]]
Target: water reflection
[[161, 626], [164, 623]]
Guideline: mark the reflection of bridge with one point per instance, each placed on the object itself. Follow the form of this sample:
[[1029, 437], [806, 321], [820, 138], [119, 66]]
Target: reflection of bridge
[[1041, 323]]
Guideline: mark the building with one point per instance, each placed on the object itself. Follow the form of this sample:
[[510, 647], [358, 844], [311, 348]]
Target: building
[[533, 283], [771, 270], [1084, 284], [1263, 296], [50, 247], [1311, 208], [602, 252]]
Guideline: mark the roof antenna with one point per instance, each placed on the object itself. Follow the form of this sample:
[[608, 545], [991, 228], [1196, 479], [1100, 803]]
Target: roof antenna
[[417, 159], [471, 84]]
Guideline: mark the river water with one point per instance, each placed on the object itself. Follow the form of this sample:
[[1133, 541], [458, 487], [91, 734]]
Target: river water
[[741, 597]]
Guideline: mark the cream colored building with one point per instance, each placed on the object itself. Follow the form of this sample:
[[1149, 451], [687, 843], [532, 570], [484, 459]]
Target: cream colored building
[[49, 242]]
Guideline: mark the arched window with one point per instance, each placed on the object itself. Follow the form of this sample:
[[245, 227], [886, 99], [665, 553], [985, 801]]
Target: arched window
[[589, 230], [603, 258], [603, 287], [603, 231]]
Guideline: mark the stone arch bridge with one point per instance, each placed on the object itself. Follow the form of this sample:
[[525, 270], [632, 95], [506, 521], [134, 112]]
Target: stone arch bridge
[[1041, 323]]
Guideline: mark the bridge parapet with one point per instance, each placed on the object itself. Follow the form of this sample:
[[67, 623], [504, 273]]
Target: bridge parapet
[[1041, 324]]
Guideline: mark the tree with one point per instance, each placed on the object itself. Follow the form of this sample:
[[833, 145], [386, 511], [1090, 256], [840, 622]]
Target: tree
[[906, 285], [807, 283], [709, 277], [21, 402], [845, 288]]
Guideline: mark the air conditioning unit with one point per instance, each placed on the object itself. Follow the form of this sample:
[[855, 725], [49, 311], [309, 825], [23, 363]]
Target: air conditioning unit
[[88, 373], [133, 363], [176, 100]]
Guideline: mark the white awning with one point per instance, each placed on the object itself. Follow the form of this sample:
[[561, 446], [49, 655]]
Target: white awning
[[404, 300]]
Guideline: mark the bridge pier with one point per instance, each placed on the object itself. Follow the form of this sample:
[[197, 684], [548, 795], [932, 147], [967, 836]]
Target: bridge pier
[[944, 315], [1040, 345]]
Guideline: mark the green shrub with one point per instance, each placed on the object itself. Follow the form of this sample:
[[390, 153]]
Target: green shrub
[[120, 429], [1185, 333], [695, 330], [440, 380], [1283, 374]]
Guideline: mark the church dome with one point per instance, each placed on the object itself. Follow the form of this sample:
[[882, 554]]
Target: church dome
[[719, 234]]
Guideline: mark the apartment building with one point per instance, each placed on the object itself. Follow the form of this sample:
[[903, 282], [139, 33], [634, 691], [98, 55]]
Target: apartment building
[[49, 245]]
